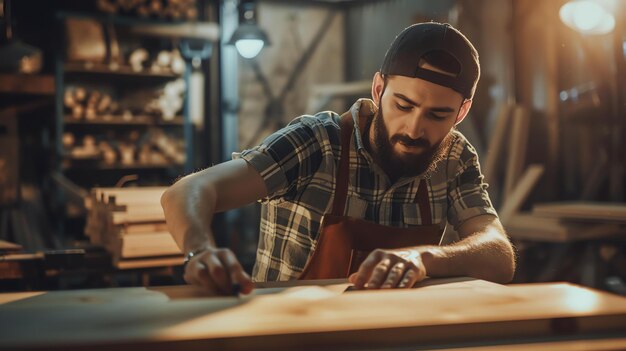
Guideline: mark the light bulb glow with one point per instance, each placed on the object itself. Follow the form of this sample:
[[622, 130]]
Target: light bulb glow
[[249, 48], [587, 17]]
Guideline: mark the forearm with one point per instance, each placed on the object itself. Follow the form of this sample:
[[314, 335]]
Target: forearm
[[189, 204], [189, 207], [486, 254]]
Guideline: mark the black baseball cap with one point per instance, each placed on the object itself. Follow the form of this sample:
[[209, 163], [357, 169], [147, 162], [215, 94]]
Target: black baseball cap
[[409, 47]]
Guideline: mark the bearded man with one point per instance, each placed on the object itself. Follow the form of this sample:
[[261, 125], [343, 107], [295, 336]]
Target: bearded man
[[365, 195]]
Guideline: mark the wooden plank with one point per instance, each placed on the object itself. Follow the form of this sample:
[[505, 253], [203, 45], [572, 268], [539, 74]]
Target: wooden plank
[[9, 246], [144, 228], [200, 30], [587, 211], [533, 227], [26, 84], [608, 344], [140, 214], [135, 318], [514, 201], [496, 145], [517, 151], [148, 244], [126, 196], [149, 262]]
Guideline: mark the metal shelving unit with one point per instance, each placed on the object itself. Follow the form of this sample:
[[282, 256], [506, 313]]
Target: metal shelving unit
[[122, 76]]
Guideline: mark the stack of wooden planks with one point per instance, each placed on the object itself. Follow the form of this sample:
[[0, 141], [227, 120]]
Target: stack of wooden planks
[[569, 221], [129, 223]]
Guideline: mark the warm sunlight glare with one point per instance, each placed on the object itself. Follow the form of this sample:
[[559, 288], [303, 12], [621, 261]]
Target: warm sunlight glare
[[587, 17]]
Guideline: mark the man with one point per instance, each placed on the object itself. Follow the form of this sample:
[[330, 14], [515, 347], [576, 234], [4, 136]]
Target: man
[[365, 195]]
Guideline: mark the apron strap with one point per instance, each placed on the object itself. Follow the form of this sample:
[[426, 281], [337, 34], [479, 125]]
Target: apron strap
[[423, 201], [341, 186]]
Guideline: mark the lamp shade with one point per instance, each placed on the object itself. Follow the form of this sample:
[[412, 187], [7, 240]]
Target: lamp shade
[[249, 39]]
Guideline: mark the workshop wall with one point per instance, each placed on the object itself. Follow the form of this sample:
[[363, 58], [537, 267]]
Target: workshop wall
[[291, 29]]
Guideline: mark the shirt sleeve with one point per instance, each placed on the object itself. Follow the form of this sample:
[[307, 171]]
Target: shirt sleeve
[[467, 190], [287, 158]]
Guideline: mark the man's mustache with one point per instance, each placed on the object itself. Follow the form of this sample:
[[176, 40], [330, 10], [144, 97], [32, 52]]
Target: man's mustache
[[404, 139]]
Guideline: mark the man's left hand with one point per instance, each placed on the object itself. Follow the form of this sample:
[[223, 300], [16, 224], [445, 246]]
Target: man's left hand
[[388, 269]]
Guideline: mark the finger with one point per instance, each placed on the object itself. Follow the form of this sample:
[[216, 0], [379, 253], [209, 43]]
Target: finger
[[379, 274], [196, 274], [411, 276], [353, 277], [236, 273], [393, 277], [366, 269], [216, 272]]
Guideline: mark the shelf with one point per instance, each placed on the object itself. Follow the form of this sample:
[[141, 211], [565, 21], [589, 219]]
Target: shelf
[[27, 84], [125, 71], [117, 19], [116, 120]]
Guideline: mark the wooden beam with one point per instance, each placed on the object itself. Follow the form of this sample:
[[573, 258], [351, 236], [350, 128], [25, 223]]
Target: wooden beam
[[517, 151], [513, 202], [496, 145]]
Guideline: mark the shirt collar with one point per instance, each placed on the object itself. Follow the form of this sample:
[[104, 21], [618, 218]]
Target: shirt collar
[[362, 111]]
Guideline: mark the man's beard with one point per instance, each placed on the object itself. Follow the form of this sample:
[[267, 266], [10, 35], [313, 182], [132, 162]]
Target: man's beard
[[406, 165]]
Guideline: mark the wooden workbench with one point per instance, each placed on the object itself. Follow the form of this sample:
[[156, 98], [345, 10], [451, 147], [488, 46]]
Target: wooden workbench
[[442, 313]]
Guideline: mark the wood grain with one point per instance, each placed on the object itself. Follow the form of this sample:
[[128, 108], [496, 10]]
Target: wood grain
[[310, 317]]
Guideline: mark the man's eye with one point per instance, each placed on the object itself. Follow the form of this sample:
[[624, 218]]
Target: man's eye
[[436, 116], [404, 108]]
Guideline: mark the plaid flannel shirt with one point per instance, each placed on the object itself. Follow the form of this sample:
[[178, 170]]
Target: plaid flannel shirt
[[299, 164]]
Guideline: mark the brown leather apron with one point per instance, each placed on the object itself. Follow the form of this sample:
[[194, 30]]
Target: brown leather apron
[[345, 242]]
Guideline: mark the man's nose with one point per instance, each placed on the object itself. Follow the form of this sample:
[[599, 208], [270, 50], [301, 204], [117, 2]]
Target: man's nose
[[414, 126]]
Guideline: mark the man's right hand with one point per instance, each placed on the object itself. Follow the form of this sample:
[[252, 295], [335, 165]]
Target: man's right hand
[[217, 270]]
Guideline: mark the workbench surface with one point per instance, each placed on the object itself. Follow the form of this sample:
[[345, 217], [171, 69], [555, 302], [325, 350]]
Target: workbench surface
[[441, 313]]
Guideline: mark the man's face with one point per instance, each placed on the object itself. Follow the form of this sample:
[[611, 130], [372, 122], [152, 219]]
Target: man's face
[[411, 130]]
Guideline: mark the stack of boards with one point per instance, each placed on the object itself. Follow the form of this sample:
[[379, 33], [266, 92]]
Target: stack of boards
[[569, 221], [129, 223]]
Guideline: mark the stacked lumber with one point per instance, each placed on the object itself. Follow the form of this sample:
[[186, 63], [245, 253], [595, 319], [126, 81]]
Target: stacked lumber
[[587, 211], [569, 221], [129, 223]]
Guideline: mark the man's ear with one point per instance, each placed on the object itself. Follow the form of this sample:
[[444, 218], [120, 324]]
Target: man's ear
[[378, 83], [463, 111]]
